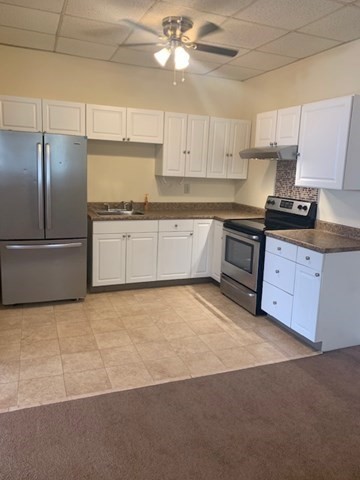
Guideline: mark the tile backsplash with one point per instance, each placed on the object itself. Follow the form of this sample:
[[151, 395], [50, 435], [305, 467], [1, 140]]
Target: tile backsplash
[[285, 183]]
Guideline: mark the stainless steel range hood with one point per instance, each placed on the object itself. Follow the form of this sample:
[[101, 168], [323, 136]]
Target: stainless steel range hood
[[278, 152]]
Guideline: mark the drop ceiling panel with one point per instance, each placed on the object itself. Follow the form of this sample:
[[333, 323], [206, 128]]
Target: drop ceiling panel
[[343, 25], [235, 73], [80, 48], [92, 31], [47, 5], [262, 61], [227, 8], [299, 45], [28, 19], [244, 34], [25, 38], [111, 11], [287, 14], [135, 57]]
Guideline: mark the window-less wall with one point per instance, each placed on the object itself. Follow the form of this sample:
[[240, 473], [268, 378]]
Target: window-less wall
[[330, 74]]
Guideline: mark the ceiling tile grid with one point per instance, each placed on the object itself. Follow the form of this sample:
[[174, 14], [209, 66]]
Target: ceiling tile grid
[[267, 34]]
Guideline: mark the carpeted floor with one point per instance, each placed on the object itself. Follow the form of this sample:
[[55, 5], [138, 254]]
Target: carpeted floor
[[293, 420]]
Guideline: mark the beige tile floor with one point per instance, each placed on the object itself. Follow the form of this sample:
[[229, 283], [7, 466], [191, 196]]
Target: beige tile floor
[[121, 340]]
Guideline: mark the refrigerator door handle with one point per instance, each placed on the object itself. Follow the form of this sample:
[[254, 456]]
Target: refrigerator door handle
[[43, 247], [40, 185], [48, 186]]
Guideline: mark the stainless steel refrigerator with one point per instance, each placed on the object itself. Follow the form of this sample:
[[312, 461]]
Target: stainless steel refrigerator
[[43, 218]]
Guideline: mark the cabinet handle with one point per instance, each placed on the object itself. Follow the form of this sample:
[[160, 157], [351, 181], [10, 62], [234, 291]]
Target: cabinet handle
[[307, 257], [277, 271], [298, 154], [317, 274], [274, 302], [278, 248]]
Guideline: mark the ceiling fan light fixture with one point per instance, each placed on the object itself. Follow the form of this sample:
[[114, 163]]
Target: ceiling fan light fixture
[[162, 56], [181, 58]]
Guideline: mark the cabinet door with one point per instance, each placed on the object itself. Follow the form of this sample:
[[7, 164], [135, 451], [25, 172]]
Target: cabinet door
[[20, 114], [174, 255], [196, 145], [287, 126], [239, 140], [265, 128], [218, 147], [324, 129], [108, 259], [105, 123], [217, 250], [174, 148], [145, 126], [306, 302], [201, 249], [66, 118], [141, 257]]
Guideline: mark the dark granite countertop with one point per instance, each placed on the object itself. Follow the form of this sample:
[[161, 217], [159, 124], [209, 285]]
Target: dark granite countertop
[[317, 240], [216, 211]]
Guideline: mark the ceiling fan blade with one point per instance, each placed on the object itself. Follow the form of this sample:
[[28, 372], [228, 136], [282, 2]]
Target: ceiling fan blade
[[206, 29], [228, 52], [133, 24]]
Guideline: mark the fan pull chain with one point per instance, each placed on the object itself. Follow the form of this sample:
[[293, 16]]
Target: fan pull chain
[[174, 81], [183, 77]]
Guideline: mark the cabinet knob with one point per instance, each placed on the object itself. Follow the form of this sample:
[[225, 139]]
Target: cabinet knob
[[275, 143], [129, 236], [188, 152], [317, 274], [191, 234], [271, 144], [274, 302], [184, 151], [231, 154], [128, 139], [124, 236], [227, 154], [307, 257], [278, 248], [176, 225], [298, 154], [277, 271], [124, 139]]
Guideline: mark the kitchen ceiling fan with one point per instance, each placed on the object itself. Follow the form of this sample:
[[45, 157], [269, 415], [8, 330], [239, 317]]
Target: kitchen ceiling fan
[[175, 41]]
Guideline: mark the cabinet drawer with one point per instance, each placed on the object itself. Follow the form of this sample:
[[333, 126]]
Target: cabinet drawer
[[283, 249], [113, 226], [280, 272], [309, 258], [176, 225], [277, 303]]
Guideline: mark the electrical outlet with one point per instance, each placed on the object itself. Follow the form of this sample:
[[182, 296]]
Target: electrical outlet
[[186, 187]]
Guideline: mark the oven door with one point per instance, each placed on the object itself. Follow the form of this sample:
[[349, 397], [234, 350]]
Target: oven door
[[240, 257]]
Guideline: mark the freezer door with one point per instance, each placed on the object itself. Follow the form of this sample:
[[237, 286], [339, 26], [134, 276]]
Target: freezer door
[[43, 271], [21, 186], [65, 186]]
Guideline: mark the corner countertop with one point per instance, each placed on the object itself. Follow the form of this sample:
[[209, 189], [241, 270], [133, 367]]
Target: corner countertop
[[216, 212], [317, 240]]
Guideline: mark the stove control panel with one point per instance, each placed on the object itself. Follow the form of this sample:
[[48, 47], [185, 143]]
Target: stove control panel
[[295, 207]]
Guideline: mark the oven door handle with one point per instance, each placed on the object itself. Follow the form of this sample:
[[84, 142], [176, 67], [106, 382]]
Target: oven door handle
[[256, 238]]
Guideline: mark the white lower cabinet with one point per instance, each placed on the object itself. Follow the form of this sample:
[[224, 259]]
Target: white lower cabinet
[[314, 294], [217, 250], [175, 249], [124, 252], [202, 248]]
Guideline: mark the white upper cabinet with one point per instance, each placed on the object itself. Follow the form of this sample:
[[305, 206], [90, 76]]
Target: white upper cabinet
[[124, 124], [278, 127], [184, 153], [329, 144], [105, 123], [66, 118], [144, 126], [226, 139], [20, 113]]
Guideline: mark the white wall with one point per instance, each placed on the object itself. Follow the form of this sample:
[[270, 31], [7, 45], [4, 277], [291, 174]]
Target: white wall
[[330, 74]]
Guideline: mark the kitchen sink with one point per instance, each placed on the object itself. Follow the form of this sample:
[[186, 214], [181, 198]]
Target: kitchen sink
[[119, 211]]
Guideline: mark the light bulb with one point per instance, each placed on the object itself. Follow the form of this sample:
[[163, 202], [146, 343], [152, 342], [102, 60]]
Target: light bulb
[[162, 56], [181, 58]]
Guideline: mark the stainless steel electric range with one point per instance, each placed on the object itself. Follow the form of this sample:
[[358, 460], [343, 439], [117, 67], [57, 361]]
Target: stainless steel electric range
[[243, 248]]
